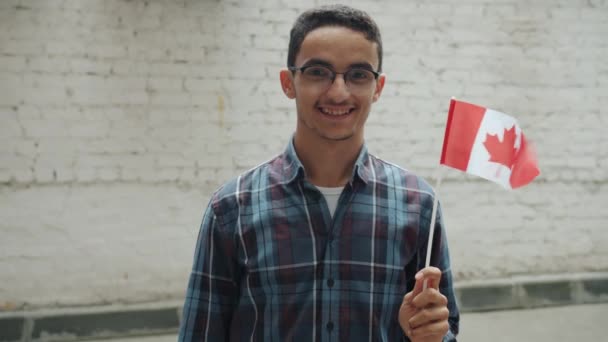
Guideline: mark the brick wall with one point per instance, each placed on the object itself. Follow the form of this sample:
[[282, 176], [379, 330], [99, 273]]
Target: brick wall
[[119, 118]]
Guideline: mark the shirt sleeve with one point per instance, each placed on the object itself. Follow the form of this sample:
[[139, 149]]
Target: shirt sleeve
[[213, 286], [440, 258]]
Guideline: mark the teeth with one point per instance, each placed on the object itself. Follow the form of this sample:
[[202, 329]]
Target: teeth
[[335, 111]]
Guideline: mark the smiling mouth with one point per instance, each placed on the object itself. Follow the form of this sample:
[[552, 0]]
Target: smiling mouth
[[335, 111]]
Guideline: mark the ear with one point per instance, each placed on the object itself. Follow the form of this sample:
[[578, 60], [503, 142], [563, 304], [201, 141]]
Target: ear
[[287, 83], [379, 87]]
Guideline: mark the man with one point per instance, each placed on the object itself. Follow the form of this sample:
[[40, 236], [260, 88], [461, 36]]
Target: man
[[324, 242]]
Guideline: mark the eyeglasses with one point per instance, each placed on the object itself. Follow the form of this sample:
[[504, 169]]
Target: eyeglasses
[[356, 79]]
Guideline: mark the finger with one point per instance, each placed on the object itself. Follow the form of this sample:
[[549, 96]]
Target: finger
[[431, 274], [408, 297], [428, 316], [429, 297], [406, 312], [438, 329]]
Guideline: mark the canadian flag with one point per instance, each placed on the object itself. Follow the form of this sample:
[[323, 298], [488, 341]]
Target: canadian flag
[[489, 144]]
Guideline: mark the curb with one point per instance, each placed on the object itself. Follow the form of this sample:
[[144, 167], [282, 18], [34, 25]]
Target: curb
[[163, 317], [532, 292]]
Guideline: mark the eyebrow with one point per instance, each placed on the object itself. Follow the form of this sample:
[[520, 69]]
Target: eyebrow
[[318, 61]]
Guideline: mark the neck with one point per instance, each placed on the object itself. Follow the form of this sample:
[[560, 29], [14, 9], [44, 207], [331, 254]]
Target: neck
[[328, 163]]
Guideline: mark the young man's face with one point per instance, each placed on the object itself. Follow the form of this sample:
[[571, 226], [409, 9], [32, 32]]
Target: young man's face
[[333, 111]]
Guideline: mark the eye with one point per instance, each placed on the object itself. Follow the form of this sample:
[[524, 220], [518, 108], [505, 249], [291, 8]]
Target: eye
[[360, 75], [317, 72]]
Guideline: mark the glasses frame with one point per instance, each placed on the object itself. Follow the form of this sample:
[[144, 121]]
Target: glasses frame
[[334, 73]]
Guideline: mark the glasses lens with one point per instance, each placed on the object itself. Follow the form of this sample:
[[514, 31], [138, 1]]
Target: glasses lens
[[356, 79], [317, 73], [359, 77]]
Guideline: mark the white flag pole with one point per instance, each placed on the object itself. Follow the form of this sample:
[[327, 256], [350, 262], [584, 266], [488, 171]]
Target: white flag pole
[[432, 227]]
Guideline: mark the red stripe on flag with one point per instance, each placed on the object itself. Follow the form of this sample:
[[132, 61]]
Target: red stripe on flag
[[461, 129], [525, 167]]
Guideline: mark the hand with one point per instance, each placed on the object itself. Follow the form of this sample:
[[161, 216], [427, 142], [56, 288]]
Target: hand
[[423, 314]]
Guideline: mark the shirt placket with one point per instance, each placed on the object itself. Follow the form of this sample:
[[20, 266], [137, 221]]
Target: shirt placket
[[330, 280]]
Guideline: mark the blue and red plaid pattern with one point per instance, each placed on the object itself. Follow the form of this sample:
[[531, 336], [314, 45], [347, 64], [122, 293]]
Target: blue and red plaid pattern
[[271, 264]]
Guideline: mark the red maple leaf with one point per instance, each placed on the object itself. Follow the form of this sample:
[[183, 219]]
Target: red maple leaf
[[502, 152]]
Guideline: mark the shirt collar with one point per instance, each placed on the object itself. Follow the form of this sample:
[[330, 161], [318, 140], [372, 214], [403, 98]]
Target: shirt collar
[[293, 168]]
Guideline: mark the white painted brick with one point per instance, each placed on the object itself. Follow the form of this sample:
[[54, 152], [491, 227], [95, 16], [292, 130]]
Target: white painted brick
[[64, 174], [108, 174], [270, 42], [49, 148], [26, 148], [9, 95], [167, 98], [158, 116], [130, 175], [218, 72], [48, 64], [172, 160], [89, 96], [10, 128], [129, 97], [12, 63], [207, 175], [129, 67], [24, 175], [165, 83], [106, 51], [279, 15], [593, 14], [254, 26], [89, 129], [124, 114], [43, 128], [168, 174], [13, 161], [44, 175], [44, 96], [201, 85], [7, 145], [28, 112], [126, 83], [6, 176], [21, 48], [87, 82], [66, 48], [67, 114], [143, 161], [169, 69], [89, 66], [188, 175], [148, 175], [127, 130], [9, 4], [54, 161], [37, 80], [48, 5]]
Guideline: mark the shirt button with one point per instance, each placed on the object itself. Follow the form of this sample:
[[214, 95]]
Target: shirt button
[[330, 283], [330, 326]]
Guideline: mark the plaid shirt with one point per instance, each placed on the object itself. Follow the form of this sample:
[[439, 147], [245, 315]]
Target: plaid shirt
[[271, 264]]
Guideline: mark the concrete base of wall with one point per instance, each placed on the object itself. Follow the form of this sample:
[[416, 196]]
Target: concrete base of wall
[[163, 317]]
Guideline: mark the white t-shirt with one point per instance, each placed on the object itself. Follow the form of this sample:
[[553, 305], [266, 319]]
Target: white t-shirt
[[331, 197]]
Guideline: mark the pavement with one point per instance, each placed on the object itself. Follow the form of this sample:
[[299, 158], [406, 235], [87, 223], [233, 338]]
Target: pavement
[[564, 323]]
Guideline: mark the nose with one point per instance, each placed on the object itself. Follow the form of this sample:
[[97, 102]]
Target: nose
[[338, 90]]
